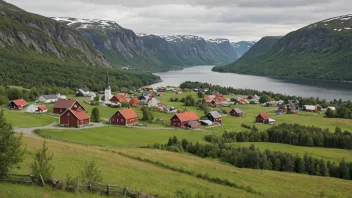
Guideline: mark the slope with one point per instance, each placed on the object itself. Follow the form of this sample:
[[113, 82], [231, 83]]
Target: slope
[[318, 51], [242, 47]]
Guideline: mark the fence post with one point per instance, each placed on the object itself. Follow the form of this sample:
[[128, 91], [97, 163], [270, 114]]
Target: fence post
[[108, 189], [125, 191], [32, 178], [77, 184], [41, 179], [89, 186]]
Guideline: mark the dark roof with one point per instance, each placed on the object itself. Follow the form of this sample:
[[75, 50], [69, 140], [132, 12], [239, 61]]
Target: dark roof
[[215, 114], [50, 97], [192, 122], [238, 110], [63, 103]]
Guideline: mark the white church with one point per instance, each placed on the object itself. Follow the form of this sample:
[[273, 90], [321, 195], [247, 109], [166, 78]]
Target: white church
[[107, 92]]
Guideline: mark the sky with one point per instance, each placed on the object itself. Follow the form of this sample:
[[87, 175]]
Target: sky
[[236, 20]]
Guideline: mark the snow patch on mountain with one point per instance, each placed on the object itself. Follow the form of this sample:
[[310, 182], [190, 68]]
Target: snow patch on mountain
[[86, 23]]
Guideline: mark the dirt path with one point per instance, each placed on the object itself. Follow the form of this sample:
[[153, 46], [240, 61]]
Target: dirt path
[[30, 131]]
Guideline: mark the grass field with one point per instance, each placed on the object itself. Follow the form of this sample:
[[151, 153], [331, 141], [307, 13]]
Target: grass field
[[20, 119], [123, 136], [152, 179], [15, 191], [331, 154]]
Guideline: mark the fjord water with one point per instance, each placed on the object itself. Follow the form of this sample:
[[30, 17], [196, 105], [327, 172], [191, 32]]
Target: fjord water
[[298, 87]]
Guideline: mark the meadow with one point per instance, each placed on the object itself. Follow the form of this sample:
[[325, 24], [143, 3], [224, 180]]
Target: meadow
[[146, 177], [20, 119]]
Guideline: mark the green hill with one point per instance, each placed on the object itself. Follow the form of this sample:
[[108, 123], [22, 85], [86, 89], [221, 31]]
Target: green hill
[[321, 50]]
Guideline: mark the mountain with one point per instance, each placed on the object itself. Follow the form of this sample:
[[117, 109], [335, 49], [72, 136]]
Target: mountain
[[189, 49], [36, 50], [242, 47], [321, 50], [121, 46]]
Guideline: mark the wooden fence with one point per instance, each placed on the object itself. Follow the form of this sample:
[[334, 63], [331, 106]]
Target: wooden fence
[[92, 186]]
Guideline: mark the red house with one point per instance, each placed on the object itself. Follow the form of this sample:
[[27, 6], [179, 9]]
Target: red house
[[118, 99], [214, 116], [63, 104], [124, 117], [237, 112], [180, 120], [17, 104], [42, 109], [74, 118], [135, 102], [262, 117]]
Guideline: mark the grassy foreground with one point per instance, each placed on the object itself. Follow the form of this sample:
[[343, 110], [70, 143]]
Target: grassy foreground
[[152, 179]]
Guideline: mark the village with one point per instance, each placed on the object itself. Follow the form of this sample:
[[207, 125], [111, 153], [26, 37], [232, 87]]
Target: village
[[167, 108]]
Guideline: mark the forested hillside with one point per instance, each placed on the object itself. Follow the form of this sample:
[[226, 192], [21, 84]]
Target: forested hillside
[[321, 50]]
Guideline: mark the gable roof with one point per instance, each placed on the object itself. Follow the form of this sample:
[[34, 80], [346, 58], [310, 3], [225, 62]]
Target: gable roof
[[63, 103], [79, 114], [264, 115], [50, 97], [215, 114], [237, 110], [207, 99], [128, 113], [220, 98], [186, 116], [42, 107], [120, 98], [19, 102], [134, 101]]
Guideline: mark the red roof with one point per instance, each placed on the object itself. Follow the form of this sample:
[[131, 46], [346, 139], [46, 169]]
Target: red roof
[[42, 107], [64, 103], [19, 102], [80, 114], [220, 98], [207, 99], [186, 116], [128, 113], [121, 98], [134, 101], [264, 115], [122, 94]]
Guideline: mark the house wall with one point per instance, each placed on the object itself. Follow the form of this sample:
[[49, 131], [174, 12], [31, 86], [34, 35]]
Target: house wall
[[259, 119], [68, 119], [114, 100], [118, 119], [175, 122], [234, 113]]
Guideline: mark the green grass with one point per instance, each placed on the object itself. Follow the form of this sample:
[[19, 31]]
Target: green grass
[[14, 191], [122, 136], [20, 119], [116, 169], [334, 155], [270, 183]]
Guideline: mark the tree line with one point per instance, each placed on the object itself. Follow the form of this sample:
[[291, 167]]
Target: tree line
[[251, 157], [293, 134], [8, 93]]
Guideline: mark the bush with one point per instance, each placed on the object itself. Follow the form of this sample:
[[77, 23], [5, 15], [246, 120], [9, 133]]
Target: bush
[[91, 172], [42, 163]]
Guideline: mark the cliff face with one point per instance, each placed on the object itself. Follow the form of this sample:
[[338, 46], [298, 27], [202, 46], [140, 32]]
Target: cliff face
[[242, 47], [321, 50], [27, 35]]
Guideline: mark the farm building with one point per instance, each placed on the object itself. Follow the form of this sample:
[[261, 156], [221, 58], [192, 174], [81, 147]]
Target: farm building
[[179, 120], [219, 101], [153, 102], [269, 121], [74, 118], [318, 107], [50, 98], [309, 108], [191, 124], [332, 108], [42, 109], [36, 109], [63, 104], [292, 108], [237, 112], [214, 116], [85, 92], [208, 99], [262, 117], [118, 99], [135, 102], [206, 122], [124, 117], [17, 104]]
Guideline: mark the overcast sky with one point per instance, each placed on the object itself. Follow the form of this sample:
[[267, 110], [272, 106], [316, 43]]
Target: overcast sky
[[233, 19]]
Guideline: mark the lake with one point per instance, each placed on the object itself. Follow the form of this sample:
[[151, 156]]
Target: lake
[[307, 88]]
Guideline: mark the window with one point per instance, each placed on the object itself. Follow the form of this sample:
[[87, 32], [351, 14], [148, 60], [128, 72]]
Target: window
[[68, 114]]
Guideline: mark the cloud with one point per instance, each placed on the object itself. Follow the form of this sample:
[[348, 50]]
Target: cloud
[[233, 19]]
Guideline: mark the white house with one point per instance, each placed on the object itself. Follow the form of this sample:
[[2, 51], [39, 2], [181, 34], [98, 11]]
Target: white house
[[50, 98], [153, 102], [85, 92]]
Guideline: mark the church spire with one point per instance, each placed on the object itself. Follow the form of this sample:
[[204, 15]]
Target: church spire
[[107, 80]]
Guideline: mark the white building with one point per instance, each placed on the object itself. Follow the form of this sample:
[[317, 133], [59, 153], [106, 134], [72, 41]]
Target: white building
[[107, 92], [85, 92], [153, 102], [50, 98]]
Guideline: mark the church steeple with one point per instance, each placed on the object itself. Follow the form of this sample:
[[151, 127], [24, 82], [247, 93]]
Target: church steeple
[[107, 80]]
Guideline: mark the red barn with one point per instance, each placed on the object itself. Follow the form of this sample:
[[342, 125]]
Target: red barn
[[63, 104], [237, 112], [42, 109], [118, 99], [17, 104], [135, 102], [124, 117], [180, 120], [262, 117], [214, 116], [74, 118]]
